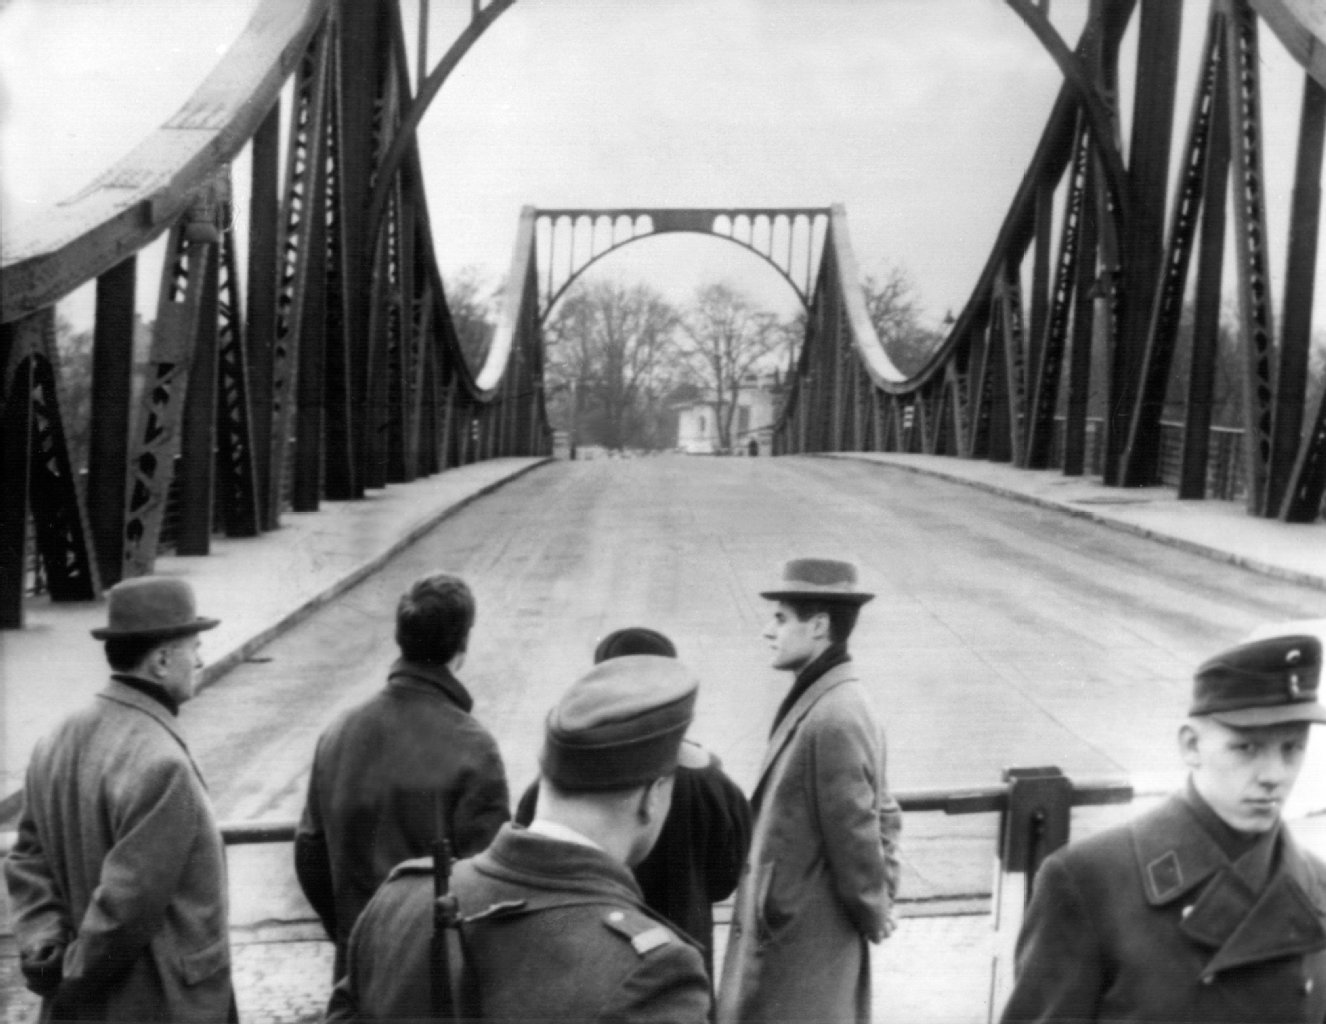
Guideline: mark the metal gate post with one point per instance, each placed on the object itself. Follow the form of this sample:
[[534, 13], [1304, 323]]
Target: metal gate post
[[1034, 823]]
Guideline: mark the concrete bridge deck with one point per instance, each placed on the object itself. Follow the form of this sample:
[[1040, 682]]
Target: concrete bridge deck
[[269, 590]]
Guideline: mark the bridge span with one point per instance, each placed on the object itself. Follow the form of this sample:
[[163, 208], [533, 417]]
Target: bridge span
[[1006, 632]]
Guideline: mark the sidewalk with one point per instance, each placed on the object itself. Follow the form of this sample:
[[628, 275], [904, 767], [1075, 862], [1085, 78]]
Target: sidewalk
[[258, 587], [1221, 530]]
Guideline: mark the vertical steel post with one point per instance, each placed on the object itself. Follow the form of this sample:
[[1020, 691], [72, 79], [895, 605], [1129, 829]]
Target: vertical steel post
[[197, 472], [1206, 302], [1296, 320], [260, 336], [1243, 74], [15, 461], [112, 398]]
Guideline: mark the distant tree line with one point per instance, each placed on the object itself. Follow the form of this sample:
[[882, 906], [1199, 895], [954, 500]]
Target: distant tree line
[[621, 358]]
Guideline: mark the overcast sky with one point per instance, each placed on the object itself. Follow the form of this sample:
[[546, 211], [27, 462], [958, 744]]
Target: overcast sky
[[919, 115]]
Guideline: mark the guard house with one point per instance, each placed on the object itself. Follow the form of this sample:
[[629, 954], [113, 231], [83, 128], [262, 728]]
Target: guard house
[[757, 404]]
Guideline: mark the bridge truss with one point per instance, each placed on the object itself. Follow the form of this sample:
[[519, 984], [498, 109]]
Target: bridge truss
[[325, 365], [319, 360], [1085, 258]]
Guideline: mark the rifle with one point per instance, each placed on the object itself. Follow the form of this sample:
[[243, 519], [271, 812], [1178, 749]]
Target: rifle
[[448, 958]]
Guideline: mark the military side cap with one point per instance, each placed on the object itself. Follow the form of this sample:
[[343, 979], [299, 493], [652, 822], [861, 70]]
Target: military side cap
[[151, 608], [1263, 682], [817, 579], [620, 725]]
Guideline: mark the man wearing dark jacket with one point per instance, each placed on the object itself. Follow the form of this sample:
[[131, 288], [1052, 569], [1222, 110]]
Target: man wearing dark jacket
[[552, 922], [404, 768], [697, 859], [1203, 909]]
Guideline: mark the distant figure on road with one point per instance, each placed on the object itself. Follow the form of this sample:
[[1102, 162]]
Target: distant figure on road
[[118, 877], [753, 447], [822, 872], [554, 927], [697, 859], [408, 763], [1203, 909]]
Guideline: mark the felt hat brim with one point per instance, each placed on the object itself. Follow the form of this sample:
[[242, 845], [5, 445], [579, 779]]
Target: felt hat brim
[[161, 633], [840, 596]]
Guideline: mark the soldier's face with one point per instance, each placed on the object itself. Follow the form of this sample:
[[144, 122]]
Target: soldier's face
[[1244, 774], [794, 642]]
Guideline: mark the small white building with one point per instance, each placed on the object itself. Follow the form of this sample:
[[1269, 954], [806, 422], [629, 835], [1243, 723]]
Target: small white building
[[757, 405]]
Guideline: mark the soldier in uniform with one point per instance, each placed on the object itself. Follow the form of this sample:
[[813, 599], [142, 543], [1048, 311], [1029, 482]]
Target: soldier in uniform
[[1205, 908], [697, 859], [553, 922]]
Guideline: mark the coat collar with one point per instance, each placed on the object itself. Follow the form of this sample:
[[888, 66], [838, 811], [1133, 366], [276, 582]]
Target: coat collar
[[432, 679], [528, 859], [835, 677], [1243, 924], [119, 693]]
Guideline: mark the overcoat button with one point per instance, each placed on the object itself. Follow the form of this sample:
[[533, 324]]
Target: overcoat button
[[1307, 987], [1208, 979], [616, 915]]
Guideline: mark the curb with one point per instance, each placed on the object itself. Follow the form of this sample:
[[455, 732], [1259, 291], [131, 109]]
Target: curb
[[212, 673], [1193, 547], [215, 670]]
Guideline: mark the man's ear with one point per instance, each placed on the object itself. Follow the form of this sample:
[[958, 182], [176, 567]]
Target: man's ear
[[653, 800], [819, 628], [1190, 745]]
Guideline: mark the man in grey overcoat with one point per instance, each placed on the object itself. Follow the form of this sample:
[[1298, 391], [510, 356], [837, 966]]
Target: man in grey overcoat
[[405, 768], [117, 876], [1203, 908], [822, 872]]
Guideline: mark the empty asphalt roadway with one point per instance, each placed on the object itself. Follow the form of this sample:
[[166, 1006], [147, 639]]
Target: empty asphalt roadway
[[1002, 634]]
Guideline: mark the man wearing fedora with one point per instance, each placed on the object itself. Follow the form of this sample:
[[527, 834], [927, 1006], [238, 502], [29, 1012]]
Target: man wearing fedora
[[117, 876], [822, 872], [1204, 908], [553, 924]]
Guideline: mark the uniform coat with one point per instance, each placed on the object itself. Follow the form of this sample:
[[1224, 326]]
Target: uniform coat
[[698, 856], [822, 870], [387, 776], [119, 861], [555, 931], [1149, 921]]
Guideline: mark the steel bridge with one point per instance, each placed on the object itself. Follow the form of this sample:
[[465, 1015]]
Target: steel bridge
[[328, 364]]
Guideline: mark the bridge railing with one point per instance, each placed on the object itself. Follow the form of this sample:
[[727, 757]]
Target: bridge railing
[[322, 364], [1034, 808], [1085, 260]]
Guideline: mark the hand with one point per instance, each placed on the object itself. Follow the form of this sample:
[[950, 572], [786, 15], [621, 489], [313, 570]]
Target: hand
[[43, 969]]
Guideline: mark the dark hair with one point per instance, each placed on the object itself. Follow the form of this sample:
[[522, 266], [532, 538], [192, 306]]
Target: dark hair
[[126, 653], [842, 615], [434, 618], [634, 640]]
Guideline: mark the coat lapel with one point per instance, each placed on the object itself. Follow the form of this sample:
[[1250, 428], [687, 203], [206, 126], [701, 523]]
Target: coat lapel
[[1243, 925], [836, 676]]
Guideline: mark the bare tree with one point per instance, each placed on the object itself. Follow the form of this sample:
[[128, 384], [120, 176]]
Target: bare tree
[[895, 312], [472, 301], [729, 341], [613, 348]]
